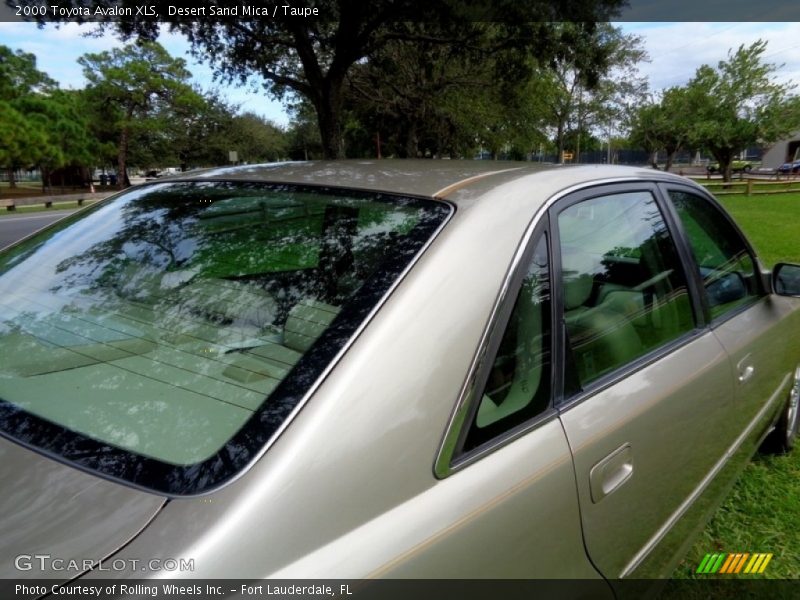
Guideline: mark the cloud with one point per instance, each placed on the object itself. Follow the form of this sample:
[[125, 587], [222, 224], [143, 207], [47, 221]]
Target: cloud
[[677, 49]]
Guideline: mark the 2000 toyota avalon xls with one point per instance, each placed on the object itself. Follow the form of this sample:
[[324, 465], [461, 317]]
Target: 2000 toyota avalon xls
[[386, 369]]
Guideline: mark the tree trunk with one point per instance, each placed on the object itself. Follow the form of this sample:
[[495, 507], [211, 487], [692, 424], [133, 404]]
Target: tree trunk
[[12, 182], [670, 158], [560, 138], [724, 159], [412, 143], [328, 104], [122, 160], [46, 186], [330, 132]]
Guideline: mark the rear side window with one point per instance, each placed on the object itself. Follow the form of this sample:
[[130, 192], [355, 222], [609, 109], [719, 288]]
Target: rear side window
[[518, 385], [164, 337], [624, 289]]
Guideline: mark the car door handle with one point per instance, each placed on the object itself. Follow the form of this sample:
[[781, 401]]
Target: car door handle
[[746, 370], [611, 472], [746, 373]]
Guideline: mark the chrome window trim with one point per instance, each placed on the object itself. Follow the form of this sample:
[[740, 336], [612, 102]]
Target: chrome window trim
[[445, 462]]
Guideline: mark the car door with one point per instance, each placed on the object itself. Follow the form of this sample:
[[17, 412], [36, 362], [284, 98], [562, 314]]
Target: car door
[[646, 396], [748, 322]]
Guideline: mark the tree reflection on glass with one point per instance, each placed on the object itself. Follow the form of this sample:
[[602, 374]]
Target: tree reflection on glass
[[183, 323]]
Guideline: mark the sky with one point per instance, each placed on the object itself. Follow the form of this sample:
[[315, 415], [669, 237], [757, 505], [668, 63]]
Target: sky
[[57, 51], [675, 50]]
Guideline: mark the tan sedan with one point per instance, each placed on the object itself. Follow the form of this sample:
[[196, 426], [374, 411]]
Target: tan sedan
[[385, 369]]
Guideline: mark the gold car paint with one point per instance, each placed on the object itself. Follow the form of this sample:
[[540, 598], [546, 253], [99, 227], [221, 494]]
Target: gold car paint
[[359, 455], [47, 508], [348, 489]]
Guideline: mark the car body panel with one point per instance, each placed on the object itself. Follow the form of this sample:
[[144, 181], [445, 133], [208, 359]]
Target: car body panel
[[661, 412], [389, 472], [405, 177], [348, 490], [50, 509], [450, 529], [760, 346]]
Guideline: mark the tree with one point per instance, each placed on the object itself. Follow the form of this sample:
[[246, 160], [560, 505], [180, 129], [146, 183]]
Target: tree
[[311, 56], [23, 137], [65, 138], [22, 140], [411, 95], [428, 99], [39, 124], [19, 75], [256, 139], [303, 138], [663, 125], [739, 104], [137, 90], [591, 81], [198, 134]]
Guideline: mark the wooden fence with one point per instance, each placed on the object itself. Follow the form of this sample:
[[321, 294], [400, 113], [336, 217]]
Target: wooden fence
[[751, 187]]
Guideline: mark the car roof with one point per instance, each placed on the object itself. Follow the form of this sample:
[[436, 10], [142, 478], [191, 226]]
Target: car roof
[[428, 178]]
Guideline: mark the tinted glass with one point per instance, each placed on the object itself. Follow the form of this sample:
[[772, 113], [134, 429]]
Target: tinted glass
[[624, 288], [725, 264], [518, 387], [177, 327]]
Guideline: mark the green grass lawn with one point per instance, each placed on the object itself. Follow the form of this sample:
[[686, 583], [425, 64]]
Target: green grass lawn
[[762, 511], [772, 223]]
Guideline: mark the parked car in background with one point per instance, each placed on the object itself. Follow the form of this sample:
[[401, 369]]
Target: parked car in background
[[790, 167], [388, 369], [737, 166]]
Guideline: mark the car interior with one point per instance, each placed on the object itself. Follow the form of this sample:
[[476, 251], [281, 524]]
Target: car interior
[[624, 290]]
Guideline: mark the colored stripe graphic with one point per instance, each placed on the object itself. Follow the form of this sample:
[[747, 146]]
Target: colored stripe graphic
[[753, 562], [741, 562], [734, 563], [765, 563], [728, 562], [704, 564], [718, 563]]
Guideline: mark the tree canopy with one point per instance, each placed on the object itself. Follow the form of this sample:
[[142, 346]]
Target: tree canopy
[[138, 108], [312, 57], [591, 83], [663, 124], [40, 125], [739, 104], [139, 89]]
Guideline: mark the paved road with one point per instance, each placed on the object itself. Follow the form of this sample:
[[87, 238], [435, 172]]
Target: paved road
[[14, 227]]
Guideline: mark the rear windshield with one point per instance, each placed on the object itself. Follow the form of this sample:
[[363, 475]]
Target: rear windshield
[[163, 337]]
